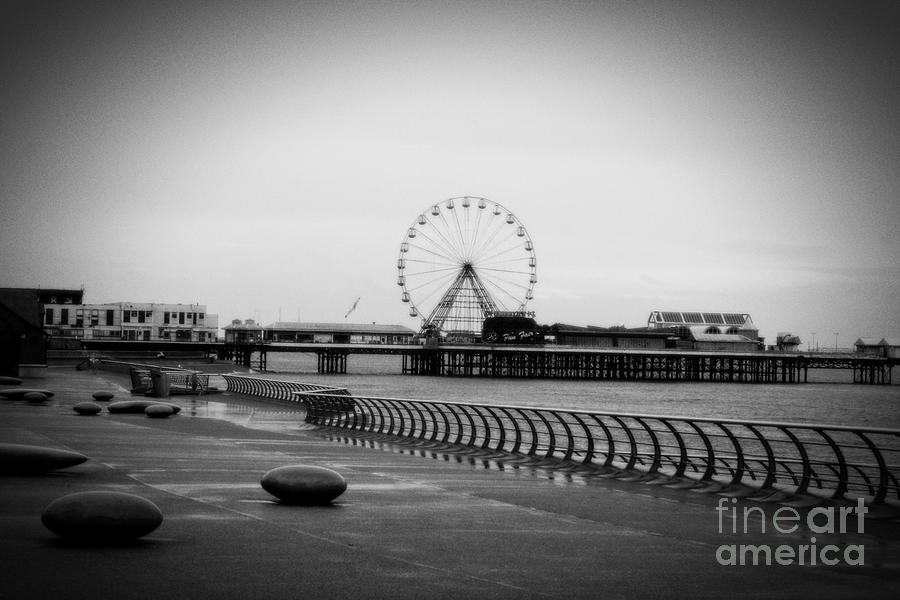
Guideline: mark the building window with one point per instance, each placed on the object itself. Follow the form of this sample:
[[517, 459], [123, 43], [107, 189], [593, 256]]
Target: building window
[[181, 318], [48, 316], [126, 316], [165, 318], [110, 317], [141, 316]]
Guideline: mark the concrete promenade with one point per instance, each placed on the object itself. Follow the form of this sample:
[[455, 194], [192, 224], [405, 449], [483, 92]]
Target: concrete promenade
[[415, 522]]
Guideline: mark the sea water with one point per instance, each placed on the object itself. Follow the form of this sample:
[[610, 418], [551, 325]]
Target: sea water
[[830, 399]]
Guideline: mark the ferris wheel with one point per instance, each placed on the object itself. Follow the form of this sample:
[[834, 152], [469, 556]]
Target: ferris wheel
[[463, 260]]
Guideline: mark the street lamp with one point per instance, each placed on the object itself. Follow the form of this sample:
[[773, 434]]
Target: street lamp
[[812, 342], [835, 340]]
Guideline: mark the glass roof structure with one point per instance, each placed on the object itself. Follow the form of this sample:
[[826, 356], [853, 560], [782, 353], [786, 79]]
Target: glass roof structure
[[659, 318]]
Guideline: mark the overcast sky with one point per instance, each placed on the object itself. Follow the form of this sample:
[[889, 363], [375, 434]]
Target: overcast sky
[[266, 158]]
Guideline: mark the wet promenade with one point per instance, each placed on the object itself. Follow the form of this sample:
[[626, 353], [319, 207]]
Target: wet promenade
[[415, 522]]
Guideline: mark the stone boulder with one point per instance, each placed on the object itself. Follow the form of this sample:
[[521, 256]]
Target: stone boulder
[[102, 396], [87, 408], [23, 459], [35, 397], [304, 484], [159, 411], [19, 393], [137, 406], [101, 517]]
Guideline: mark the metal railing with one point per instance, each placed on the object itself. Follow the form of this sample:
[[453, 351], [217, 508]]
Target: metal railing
[[276, 389], [182, 380], [763, 457]]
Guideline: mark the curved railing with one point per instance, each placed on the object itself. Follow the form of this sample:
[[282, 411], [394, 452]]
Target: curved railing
[[798, 459], [275, 389]]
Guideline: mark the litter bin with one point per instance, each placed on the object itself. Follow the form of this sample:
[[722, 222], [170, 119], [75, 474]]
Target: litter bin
[[159, 383]]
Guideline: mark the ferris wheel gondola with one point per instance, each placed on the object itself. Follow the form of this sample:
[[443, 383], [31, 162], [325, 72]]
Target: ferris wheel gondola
[[463, 260]]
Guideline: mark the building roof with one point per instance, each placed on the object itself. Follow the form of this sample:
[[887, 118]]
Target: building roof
[[563, 328], [889, 342], [370, 328], [699, 318], [728, 338], [867, 341]]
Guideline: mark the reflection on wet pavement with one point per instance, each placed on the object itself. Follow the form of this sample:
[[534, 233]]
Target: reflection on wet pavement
[[289, 419], [253, 414]]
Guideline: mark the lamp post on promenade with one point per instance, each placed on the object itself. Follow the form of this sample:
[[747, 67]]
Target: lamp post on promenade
[[835, 340]]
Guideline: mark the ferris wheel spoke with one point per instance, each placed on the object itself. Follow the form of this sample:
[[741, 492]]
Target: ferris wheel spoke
[[446, 242], [506, 299], [477, 233], [448, 235], [436, 253], [442, 243], [432, 293], [520, 281], [419, 263], [421, 278], [421, 272], [506, 271], [458, 230], [507, 260], [491, 232]]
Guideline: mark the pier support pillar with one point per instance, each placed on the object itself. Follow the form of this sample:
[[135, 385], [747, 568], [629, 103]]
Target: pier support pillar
[[332, 361]]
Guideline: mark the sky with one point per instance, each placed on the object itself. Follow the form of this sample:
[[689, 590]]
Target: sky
[[266, 158]]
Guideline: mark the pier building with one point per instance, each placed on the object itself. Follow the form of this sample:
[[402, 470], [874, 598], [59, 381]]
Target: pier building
[[787, 342], [886, 347], [612, 337], [292, 332], [713, 331]]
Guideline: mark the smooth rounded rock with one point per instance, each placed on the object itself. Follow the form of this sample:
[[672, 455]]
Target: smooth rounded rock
[[19, 393], [102, 396], [137, 406], [159, 411], [304, 484], [101, 517], [87, 408], [23, 459], [6, 380], [34, 397]]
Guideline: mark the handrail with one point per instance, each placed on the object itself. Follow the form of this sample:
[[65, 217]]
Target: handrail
[[276, 389], [832, 461]]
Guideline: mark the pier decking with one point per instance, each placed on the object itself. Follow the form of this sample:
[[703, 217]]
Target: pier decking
[[553, 362]]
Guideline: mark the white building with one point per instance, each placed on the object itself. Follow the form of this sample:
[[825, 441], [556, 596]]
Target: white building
[[146, 321], [317, 333], [710, 330]]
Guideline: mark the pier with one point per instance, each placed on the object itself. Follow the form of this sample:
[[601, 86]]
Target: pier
[[547, 362]]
